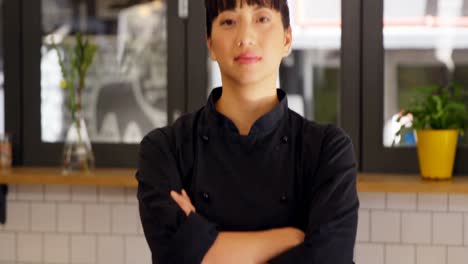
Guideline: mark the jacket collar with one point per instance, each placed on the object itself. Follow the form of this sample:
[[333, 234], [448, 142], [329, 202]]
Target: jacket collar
[[263, 125]]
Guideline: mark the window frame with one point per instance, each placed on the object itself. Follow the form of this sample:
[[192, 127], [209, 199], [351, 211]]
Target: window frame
[[376, 157], [106, 155], [12, 80]]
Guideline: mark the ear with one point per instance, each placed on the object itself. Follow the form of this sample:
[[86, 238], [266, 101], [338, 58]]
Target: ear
[[209, 44], [287, 42]]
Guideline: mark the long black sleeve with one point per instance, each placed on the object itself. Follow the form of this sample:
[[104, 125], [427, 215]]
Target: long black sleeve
[[333, 210], [171, 235]]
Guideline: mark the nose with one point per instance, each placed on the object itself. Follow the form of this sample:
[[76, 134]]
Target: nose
[[245, 34]]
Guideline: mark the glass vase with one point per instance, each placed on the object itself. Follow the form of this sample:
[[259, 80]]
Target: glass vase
[[78, 155]]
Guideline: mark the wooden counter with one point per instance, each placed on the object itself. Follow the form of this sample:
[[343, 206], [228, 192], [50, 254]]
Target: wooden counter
[[98, 177], [367, 182], [379, 182]]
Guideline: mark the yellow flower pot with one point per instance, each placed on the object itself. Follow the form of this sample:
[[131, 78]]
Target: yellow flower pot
[[436, 152]]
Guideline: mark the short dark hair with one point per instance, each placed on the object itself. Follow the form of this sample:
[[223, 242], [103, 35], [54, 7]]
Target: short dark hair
[[214, 7]]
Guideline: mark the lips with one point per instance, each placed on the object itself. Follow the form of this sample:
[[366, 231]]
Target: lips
[[247, 58]]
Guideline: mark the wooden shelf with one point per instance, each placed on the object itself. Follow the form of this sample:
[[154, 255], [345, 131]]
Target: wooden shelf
[[98, 177], [379, 182], [367, 182]]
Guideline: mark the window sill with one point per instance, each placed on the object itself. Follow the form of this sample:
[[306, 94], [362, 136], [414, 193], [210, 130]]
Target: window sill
[[381, 182], [367, 182], [99, 177]]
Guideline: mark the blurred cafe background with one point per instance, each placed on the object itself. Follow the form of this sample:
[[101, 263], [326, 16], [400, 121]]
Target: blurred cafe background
[[354, 63]]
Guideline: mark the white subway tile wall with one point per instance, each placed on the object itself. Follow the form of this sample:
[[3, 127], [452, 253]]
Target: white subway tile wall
[[56, 248], [465, 227], [70, 217], [63, 224], [412, 228], [18, 216], [12, 192], [7, 246], [57, 193], [59, 224], [448, 229], [130, 194], [84, 194], [83, 249], [363, 232], [416, 227], [124, 219], [136, 249], [97, 218], [30, 193], [431, 255], [44, 217], [401, 201], [432, 202], [401, 254], [111, 249], [366, 253], [115, 195], [457, 255], [458, 203], [385, 226], [372, 200], [30, 247]]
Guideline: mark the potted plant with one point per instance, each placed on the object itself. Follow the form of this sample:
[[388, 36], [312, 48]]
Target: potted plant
[[74, 64], [438, 117]]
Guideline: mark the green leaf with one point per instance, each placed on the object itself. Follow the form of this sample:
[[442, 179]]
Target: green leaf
[[438, 107], [74, 64]]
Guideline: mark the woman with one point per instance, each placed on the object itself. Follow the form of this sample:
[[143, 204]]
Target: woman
[[245, 179]]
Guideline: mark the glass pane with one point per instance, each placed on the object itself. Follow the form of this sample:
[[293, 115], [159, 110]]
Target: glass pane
[[311, 73], [426, 44], [126, 86]]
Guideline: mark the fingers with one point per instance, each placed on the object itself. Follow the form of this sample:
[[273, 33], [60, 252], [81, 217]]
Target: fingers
[[187, 198], [183, 201]]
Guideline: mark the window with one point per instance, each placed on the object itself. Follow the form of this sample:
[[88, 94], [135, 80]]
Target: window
[[127, 87], [407, 45], [126, 92], [426, 43]]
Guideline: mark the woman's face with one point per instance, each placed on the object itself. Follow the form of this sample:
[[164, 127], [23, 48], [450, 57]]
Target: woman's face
[[248, 43]]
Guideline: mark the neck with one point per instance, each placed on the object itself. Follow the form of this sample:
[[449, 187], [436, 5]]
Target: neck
[[244, 104]]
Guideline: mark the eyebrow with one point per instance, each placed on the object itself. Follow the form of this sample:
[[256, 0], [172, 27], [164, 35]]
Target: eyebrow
[[257, 7]]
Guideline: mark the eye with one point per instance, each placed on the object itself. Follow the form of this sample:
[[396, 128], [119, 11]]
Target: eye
[[227, 22], [264, 19]]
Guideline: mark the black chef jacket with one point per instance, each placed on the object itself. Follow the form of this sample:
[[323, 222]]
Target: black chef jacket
[[288, 171]]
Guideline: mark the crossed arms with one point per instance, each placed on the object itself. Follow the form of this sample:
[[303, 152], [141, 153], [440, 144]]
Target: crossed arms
[[244, 247], [176, 233]]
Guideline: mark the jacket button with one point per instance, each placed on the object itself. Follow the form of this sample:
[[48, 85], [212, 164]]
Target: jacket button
[[284, 198], [205, 196], [205, 138], [285, 139]]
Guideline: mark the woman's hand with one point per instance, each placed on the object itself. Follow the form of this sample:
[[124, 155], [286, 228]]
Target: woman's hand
[[296, 234], [183, 200]]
